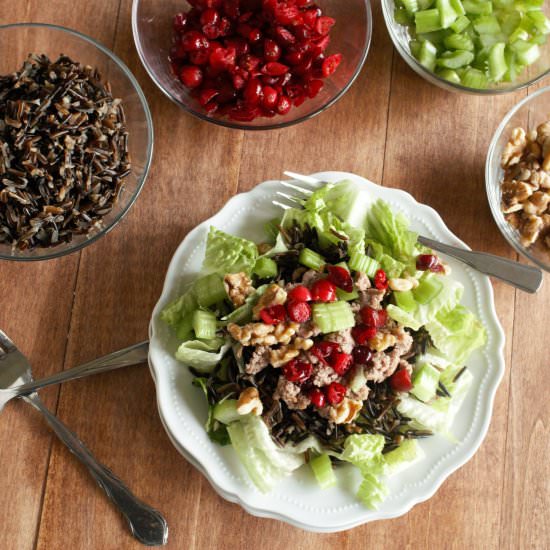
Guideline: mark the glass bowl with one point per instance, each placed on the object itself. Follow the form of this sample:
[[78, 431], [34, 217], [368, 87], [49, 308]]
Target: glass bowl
[[16, 42], [351, 36], [528, 114], [400, 37]]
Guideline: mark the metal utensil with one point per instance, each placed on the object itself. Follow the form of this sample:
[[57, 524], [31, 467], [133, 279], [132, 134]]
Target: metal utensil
[[523, 277], [146, 524], [132, 355]]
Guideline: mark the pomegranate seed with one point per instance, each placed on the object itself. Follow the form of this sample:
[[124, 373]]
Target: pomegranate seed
[[194, 40], [317, 398], [300, 293], [335, 393], [374, 317], [330, 64], [297, 371], [272, 51], [340, 277], [401, 381], [294, 90], [381, 280], [253, 92], [270, 97], [362, 334], [324, 24], [210, 16], [323, 291], [274, 68], [299, 312], [273, 315], [361, 355], [341, 362], [191, 76], [284, 105], [426, 262]]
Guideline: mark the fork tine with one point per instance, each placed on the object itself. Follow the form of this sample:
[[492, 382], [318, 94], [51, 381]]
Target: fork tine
[[290, 198], [301, 177], [5, 342], [281, 205], [297, 188]]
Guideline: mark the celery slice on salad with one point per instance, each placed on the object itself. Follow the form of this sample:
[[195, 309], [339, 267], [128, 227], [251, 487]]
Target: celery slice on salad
[[364, 264], [427, 21], [450, 75], [209, 290], [477, 7], [425, 380], [410, 5], [407, 454], [455, 60], [447, 13], [428, 289], [458, 41], [427, 55], [311, 259], [461, 24], [204, 324], [265, 268], [333, 317], [405, 300], [322, 469]]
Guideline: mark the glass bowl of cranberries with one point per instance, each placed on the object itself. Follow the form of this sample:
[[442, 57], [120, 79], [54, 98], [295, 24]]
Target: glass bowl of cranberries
[[253, 64]]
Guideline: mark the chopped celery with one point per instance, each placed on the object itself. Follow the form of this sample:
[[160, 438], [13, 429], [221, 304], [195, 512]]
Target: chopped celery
[[526, 52], [427, 21], [415, 46], [497, 62], [454, 60], [510, 22], [184, 328], [209, 290], [402, 16], [265, 268], [540, 21], [459, 42], [474, 78], [487, 24], [333, 317], [425, 379], [425, 4], [428, 55], [311, 259], [405, 300], [364, 264], [322, 469], [475, 7], [458, 7], [461, 24], [428, 289], [226, 411], [347, 296], [204, 324], [447, 14], [410, 5], [450, 75]]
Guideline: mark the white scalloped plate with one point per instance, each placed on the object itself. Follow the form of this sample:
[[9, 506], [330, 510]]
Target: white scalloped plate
[[298, 500]]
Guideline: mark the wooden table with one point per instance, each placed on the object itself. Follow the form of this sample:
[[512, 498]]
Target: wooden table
[[393, 128]]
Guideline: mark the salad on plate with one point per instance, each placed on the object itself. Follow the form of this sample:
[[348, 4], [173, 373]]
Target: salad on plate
[[340, 339]]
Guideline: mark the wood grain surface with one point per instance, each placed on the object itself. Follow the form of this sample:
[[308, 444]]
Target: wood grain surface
[[391, 127]]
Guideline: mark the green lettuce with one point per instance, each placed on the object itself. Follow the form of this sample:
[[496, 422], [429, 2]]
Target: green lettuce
[[217, 432], [338, 198], [201, 355], [228, 254], [174, 312]]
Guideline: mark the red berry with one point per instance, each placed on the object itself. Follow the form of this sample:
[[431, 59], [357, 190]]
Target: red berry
[[426, 262], [381, 280], [180, 22], [324, 349], [300, 293], [273, 315], [199, 57], [270, 97], [361, 355], [210, 16], [401, 381], [317, 398], [193, 41], [207, 95], [223, 58], [297, 371], [323, 290], [324, 24], [374, 317], [272, 50], [341, 362], [335, 393], [191, 76], [330, 64], [299, 312], [340, 277], [253, 92], [283, 105], [362, 334], [274, 68], [313, 87]]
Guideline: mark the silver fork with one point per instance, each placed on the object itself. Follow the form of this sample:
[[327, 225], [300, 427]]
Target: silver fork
[[146, 524], [523, 277]]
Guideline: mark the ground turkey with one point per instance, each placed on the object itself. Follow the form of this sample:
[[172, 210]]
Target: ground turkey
[[259, 360], [310, 276], [362, 282], [344, 338], [372, 298], [290, 394]]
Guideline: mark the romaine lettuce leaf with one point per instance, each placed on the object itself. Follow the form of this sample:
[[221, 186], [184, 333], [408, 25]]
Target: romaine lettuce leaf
[[228, 254], [372, 491], [339, 198], [174, 312], [202, 356]]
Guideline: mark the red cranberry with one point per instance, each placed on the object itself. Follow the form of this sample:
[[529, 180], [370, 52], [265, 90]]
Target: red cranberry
[[361, 355], [283, 105], [212, 31], [341, 362], [317, 398], [272, 51], [255, 35], [273, 315], [299, 312], [324, 349], [331, 63], [401, 381], [223, 58], [199, 57], [300, 293], [335, 393], [297, 371], [249, 62], [210, 16], [313, 87], [324, 24], [362, 334], [232, 8], [340, 277], [253, 92], [374, 317], [180, 22], [426, 262], [323, 290], [207, 95], [240, 44], [194, 40], [284, 36], [381, 280], [191, 76], [274, 68]]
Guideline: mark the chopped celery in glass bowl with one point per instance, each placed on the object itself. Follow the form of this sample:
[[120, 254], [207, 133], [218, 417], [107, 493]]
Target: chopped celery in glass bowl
[[473, 46]]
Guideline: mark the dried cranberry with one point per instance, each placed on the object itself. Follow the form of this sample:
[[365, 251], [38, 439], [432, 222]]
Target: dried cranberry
[[317, 398], [401, 381], [335, 393], [426, 262], [362, 334], [299, 312], [323, 290], [273, 315], [361, 355], [340, 277], [374, 317], [341, 362], [324, 349], [300, 293], [381, 280], [191, 76], [297, 371]]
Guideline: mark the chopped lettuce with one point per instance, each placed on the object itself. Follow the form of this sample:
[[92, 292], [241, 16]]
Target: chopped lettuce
[[202, 355], [407, 454], [265, 463], [216, 431], [243, 314], [339, 198], [174, 312], [228, 254]]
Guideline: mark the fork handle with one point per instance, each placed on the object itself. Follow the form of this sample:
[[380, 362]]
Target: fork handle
[[146, 524], [132, 355], [524, 277]]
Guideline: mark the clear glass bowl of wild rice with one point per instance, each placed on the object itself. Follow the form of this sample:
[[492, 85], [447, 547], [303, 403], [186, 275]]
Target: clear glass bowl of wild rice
[[17, 41]]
